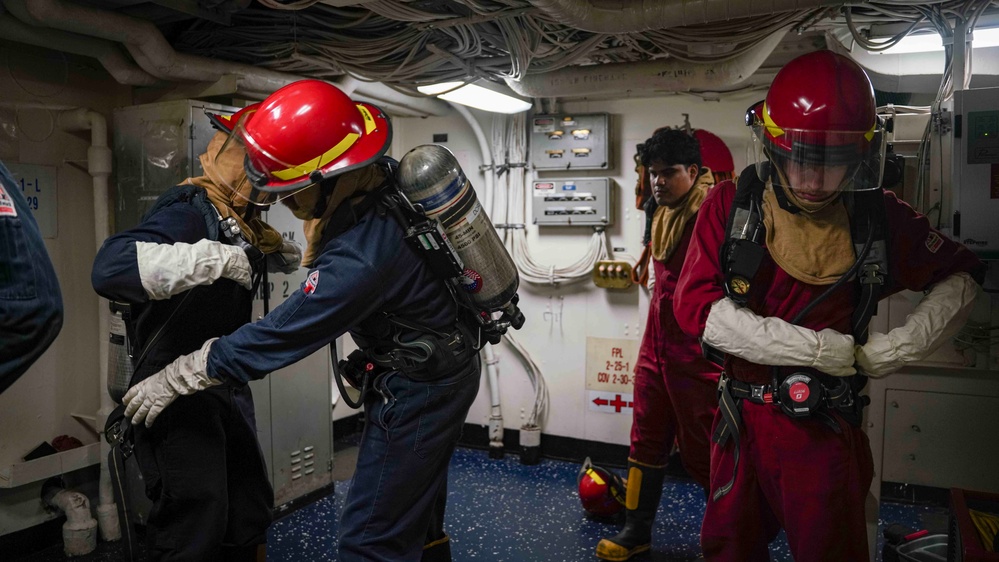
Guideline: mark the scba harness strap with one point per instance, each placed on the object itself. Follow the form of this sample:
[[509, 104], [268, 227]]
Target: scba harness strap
[[433, 353], [798, 394]]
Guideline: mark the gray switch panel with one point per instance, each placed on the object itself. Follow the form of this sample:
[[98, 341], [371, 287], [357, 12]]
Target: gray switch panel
[[572, 202], [569, 142]]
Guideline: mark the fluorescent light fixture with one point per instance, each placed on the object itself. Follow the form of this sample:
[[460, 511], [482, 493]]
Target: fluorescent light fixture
[[931, 41], [482, 94]]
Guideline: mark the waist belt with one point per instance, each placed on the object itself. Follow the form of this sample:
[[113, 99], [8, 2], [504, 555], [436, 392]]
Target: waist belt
[[799, 395], [426, 358]]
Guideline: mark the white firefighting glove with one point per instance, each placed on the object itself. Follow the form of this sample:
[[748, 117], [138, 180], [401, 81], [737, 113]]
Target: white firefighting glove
[[651, 283], [286, 260], [937, 318], [186, 375], [772, 341], [168, 269]]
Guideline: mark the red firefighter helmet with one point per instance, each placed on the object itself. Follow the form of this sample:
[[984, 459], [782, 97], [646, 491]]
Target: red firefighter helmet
[[819, 117], [601, 491], [308, 131], [225, 123], [715, 155]]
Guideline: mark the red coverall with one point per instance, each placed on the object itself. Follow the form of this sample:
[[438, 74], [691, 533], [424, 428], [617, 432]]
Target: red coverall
[[797, 474], [675, 387]]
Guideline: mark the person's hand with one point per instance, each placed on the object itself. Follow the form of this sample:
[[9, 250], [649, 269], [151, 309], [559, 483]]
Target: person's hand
[[772, 341], [286, 260], [186, 375], [877, 357], [235, 265], [835, 353], [166, 270], [937, 318]]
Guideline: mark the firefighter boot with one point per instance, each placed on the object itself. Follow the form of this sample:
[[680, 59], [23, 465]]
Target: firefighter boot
[[645, 488]]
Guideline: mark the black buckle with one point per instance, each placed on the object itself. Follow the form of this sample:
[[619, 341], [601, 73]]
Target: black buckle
[[118, 431], [840, 397], [872, 275]]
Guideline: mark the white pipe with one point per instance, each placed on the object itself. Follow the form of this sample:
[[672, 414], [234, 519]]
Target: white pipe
[[917, 73], [99, 167], [157, 57], [628, 16], [669, 75], [79, 531], [492, 361]]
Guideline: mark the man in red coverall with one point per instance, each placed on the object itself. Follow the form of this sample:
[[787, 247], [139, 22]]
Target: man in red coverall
[[810, 475], [675, 388]]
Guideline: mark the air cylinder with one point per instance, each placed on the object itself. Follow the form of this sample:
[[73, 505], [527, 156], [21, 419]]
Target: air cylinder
[[119, 363], [430, 177]]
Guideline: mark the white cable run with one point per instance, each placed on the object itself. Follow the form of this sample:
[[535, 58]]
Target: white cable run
[[509, 142]]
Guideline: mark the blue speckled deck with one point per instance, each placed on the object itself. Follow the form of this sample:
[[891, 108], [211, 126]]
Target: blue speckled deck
[[503, 511]]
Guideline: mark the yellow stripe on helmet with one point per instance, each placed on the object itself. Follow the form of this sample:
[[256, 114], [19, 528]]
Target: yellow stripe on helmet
[[318, 162], [870, 134], [768, 122], [369, 120], [775, 130], [596, 477]]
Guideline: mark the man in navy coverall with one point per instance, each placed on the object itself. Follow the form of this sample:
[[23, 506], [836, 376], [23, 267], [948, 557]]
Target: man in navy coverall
[[30, 301], [187, 280], [322, 152]]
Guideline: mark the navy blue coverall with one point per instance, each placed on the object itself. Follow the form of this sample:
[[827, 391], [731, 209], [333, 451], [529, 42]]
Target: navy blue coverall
[[201, 462], [396, 501], [30, 301]]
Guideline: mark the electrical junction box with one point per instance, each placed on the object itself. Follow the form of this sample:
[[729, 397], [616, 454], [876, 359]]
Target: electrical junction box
[[572, 202], [975, 171], [569, 142]]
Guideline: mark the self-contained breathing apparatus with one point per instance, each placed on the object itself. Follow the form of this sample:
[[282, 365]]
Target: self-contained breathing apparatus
[[435, 353], [802, 394], [799, 394]]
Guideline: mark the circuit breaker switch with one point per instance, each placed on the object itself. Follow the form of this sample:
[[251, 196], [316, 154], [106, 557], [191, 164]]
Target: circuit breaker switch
[[612, 274]]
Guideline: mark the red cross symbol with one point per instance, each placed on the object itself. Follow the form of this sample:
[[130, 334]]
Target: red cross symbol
[[618, 403]]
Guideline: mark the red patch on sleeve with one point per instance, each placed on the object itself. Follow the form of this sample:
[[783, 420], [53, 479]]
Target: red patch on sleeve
[[933, 242], [311, 283]]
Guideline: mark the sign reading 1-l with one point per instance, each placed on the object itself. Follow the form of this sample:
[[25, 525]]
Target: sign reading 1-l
[[38, 184]]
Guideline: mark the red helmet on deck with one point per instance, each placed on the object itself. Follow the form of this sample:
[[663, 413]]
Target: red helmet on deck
[[308, 131], [601, 491], [820, 115]]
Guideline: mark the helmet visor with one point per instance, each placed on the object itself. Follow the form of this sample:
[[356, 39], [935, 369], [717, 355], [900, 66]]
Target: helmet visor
[[817, 164], [235, 170]]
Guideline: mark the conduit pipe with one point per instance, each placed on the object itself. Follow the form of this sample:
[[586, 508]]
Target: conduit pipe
[[669, 75], [106, 52], [918, 73], [492, 362], [79, 535], [628, 16], [99, 168], [157, 57]]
